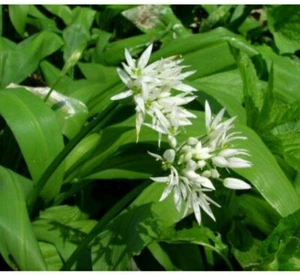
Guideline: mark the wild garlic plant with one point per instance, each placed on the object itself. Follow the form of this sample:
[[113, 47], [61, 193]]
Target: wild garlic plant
[[193, 167]]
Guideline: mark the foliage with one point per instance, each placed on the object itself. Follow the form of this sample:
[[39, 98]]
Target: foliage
[[75, 192]]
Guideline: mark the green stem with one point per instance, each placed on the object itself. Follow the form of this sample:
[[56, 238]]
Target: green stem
[[102, 223], [100, 121], [52, 88]]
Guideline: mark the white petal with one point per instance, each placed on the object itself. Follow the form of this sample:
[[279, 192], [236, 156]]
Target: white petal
[[205, 182], [192, 141], [177, 198], [238, 163], [166, 192], [205, 206], [191, 165], [157, 128], [129, 59], [169, 155], [217, 119], [196, 208], [140, 103], [184, 88], [237, 184], [122, 95], [145, 57], [124, 77], [207, 115], [220, 161], [158, 157], [172, 141], [138, 123], [160, 179]]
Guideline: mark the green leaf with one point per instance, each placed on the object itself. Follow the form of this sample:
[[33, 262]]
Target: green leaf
[[97, 72], [133, 229], [70, 112], [226, 88], [201, 236], [82, 151], [51, 256], [62, 11], [284, 24], [280, 251], [35, 128], [266, 175], [18, 17], [258, 213], [77, 34], [64, 227], [26, 57], [127, 166], [113, 53], [177, 257], [18, 245], [250, 257], [286, 74], [252, 90], [239, 236]]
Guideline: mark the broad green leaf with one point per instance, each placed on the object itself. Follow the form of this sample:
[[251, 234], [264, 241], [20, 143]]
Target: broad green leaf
[[202, 236], [64, 227], [252, 90], [248, 258], [26, 57], [162, 257], [286, 74], [127, 166], [18, 17], [18, 245], [6, 44], [228, 83], [113, 53], [178, 256], [280, 251], [239, 236], [97, 72], [258, 213], [284, 24], [82, 151], [51, 256], [205, 41], [35, 128], [62, 11], [126, 235], [228, 95], [70, 112], [266, 175], [77, 34]]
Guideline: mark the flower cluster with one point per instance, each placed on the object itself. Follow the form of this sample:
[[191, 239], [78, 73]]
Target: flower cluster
[[151, 89], [195, 165]]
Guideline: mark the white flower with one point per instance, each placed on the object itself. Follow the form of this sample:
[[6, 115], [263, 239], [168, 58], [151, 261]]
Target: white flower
[[151, 86], [217, 130], [237, 184], [194, 164]]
